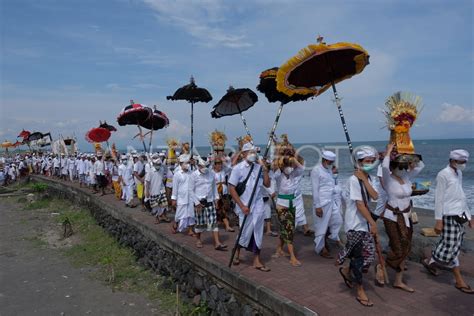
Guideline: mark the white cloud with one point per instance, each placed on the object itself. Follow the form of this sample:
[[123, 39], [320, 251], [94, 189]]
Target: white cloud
[[200, 19], [455, 113], [178, 130]]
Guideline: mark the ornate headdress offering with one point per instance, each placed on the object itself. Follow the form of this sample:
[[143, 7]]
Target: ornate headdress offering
[[172, 146], [401, 113], [243, 140], [218, 140], [284, 152]]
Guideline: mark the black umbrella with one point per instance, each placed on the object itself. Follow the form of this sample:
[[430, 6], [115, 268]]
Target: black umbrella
[[104, 124], [135, 114], [35, 136], [235, 101], [158, 120], [191, 93]]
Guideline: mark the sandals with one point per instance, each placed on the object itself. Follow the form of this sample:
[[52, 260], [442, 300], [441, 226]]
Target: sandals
[[198, 244], [236, 262], [347, 281], [430, 267], [263, 269], [230, 230], [326, 255], [404, 288], [465, 289], [308, 233], [271, 234], [174, 229], [379, 283], [221, 247], [366, 303]]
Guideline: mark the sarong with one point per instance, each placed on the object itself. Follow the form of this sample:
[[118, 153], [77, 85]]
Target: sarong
[[360, 248], [140, 190], [117, 189], [286, 217], [399, 240], [448, 247], [206, 218]]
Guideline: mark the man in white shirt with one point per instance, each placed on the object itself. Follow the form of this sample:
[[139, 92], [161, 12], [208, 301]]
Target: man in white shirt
[[154, 196], [126, 179], [64, 167], [451, 213], [81, 170], [323, 185], [56, 166], [252, 232], [99, 170], [359, 224], [206, 196], [71, 165], [182, 196]]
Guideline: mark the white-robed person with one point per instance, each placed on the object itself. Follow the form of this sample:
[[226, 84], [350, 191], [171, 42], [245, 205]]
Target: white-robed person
[[64, 167], [81, 170], [71, 165], [153, 189], [182, 197], [300, 215], [323, 185], [252, 232], [451, 213], [126, 180], [206, 196]]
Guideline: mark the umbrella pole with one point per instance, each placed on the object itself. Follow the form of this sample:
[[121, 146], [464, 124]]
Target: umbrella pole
[[267, 149], [341, 115], [192, 127], [141, 137], [245, 125]]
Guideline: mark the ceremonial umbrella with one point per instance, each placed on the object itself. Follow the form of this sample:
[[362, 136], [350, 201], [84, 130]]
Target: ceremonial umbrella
[[267, 86], [6, 144], [135, 114], [191, 93], [97, 135], [107, 126], [24, 134], [317, 67], [158, 120], [235, 101], [35, 136]]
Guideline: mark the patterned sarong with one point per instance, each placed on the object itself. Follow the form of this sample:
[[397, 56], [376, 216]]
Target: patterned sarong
[[399, 240], [207, 217], [448, 247], [286, 217]]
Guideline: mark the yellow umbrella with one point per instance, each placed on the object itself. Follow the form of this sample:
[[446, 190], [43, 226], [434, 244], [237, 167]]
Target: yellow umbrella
[[320, 66], [6, 144]]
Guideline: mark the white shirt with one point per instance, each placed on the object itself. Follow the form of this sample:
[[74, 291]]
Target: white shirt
[[99, 168], [205, 185], [323, 186], [449, 195], [183, 188], [353, 219], [70, 164], [154, 180], [81, 166], [287, 184], [126, 171], [399, 195], [239, 173], [56, 162], [138, 168]]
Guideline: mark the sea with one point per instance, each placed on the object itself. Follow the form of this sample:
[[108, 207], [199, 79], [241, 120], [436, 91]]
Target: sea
[[435, 155], [434, 152]]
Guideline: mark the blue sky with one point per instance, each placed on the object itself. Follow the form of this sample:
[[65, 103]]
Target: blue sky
[[67, 64]]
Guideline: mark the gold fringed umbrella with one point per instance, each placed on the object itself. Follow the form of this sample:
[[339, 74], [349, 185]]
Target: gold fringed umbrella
[[320, 66]]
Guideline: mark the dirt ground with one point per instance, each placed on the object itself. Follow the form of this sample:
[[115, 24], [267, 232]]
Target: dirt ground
[[36, 279]]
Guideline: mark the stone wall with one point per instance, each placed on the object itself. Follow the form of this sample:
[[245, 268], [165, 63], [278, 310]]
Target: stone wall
[[200, 279]]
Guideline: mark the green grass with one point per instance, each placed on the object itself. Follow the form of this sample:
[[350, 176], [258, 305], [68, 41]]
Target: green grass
[[116, 265], [39, 204]]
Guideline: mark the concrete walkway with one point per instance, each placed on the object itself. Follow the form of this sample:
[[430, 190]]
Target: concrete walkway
[[317, 284]]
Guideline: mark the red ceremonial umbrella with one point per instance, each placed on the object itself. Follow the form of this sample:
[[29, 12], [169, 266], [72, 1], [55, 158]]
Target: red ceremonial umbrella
[[135, 114], [98, 135]]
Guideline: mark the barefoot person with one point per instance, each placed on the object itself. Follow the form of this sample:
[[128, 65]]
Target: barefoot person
[[451, 213], [359, 226], [396, 178], [287, 177], [206, 195], [252, 233], [323, 194]]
